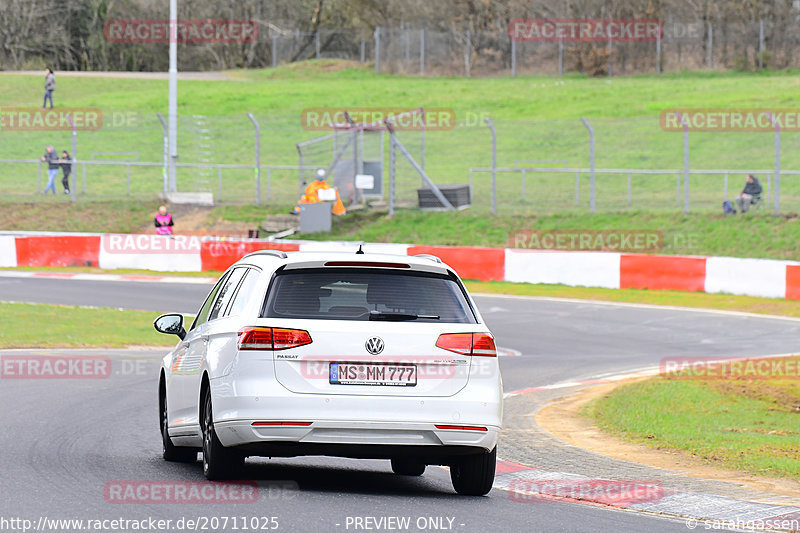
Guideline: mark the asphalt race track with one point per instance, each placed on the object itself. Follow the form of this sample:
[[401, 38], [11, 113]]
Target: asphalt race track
[[65, 441]]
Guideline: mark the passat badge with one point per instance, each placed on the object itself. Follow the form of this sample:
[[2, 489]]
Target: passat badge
[[374, 345]]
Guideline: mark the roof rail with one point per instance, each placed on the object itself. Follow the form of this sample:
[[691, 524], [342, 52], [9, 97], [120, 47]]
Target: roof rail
[[276, 253], [429, 256]]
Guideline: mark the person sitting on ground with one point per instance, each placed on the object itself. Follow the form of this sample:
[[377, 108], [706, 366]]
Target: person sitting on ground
[[750, 194], [163, 221], [311, 195]]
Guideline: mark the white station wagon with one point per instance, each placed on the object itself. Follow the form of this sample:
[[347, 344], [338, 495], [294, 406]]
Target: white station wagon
[[350, 355]]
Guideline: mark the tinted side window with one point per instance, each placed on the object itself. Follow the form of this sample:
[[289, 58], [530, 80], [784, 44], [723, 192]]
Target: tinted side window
[[226, 292], [244, 293], [202, 315]]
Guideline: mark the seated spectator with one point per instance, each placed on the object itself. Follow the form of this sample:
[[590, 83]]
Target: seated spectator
[[750, 194]]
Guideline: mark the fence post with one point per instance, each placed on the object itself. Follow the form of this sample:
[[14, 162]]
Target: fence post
[[73, 192], [710, 46], [274, 50], [166, 149], [407, 45], [629, 188], [725, 192], [392, 161], [513, 58], [257, 126], [377, 49], [466, 53], [658, 50], [422, 52], [761, 45], [610, 62], [422, 148], [777, 189], [592, 189], [494, 163]]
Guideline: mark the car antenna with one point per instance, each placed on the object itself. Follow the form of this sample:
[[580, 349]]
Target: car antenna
[[360, 251]]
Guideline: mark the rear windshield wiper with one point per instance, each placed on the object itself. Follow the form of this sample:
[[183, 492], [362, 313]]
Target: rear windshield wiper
[[379, 315]]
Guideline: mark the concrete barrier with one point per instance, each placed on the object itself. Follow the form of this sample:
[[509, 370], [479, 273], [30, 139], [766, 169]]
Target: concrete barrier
[[754, 277]]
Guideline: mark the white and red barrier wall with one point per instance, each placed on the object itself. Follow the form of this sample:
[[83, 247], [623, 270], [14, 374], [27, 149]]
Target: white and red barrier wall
[[754, 277]]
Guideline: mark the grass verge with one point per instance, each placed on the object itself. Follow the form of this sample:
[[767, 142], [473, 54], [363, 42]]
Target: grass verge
[[59, 326], [730, 421]]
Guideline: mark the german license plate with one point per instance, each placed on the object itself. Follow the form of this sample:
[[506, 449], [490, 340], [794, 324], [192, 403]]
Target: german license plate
[[386, 374]]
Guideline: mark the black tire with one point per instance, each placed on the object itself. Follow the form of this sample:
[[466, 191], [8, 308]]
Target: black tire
[[473, 475], [407, 467], [219, 462], [170, 452]]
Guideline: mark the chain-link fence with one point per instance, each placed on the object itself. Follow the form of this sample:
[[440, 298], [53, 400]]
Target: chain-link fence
[[682, 44], [543, 166]]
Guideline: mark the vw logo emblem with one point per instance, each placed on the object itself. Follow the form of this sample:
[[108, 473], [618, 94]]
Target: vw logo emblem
[[374, 345]]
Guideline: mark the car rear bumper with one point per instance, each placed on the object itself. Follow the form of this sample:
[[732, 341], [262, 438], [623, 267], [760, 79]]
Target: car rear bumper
[[356, 439]]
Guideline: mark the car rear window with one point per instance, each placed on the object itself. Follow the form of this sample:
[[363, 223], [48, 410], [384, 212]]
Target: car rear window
[[367, 294]]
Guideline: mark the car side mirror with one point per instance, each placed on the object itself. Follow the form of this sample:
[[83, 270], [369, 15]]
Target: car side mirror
[[171, 324]]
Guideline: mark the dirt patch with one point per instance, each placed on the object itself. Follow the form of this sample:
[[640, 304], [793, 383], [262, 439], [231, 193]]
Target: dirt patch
[[197, 220], [563, 420]]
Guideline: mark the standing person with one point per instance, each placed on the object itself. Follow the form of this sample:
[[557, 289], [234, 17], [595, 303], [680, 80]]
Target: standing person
[[51, 157], [49, 87], [163, 222], [750, 194], [66, 168]]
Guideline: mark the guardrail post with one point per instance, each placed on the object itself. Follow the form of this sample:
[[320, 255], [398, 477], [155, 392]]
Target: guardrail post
[[592, 190], [258, 156], [494, 163]]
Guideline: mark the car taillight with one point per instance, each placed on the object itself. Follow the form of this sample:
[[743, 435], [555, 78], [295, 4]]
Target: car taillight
[[258, 338], [479, 344]]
